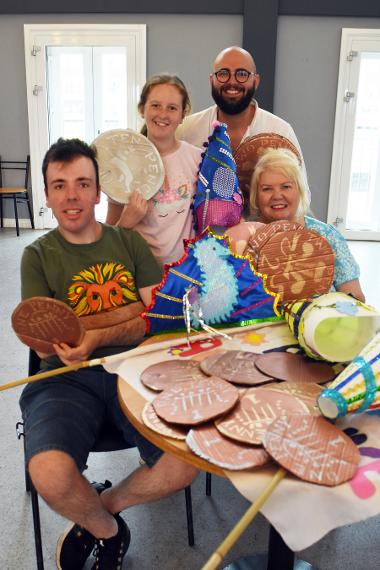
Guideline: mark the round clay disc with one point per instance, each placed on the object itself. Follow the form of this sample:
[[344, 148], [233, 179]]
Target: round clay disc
[[298, 262], [307, 393], [196, 401], [128, 161], [256, 410], [294, 368], [248, 153], [163, 374], [235, 366], [209, 444], [152, 421], [312, 448], [40, 322]]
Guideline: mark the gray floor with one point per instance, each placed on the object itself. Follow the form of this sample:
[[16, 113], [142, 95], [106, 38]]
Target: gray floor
[[159, 539]]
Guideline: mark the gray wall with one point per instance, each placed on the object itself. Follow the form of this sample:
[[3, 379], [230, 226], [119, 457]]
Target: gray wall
[[307, 65], [306, 74], [179, 44]]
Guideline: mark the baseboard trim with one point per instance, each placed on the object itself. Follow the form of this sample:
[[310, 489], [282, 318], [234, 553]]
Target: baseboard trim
[[22, 222]]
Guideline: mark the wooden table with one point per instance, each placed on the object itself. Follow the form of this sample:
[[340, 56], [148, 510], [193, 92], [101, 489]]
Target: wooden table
[[132, 404]]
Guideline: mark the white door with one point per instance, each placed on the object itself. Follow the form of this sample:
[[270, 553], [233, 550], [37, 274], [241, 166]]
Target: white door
[[354, 199], [81, 81]]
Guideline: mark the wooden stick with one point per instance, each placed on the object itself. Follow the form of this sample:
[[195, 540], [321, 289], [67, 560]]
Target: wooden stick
[[140, 350], [50, 373], [144, 349], [216, 558]]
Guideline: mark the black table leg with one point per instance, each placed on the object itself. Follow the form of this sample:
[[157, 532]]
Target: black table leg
[[280, 557]]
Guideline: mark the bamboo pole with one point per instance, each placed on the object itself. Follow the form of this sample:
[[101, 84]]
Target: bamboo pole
[[216, 558], [143, 349]]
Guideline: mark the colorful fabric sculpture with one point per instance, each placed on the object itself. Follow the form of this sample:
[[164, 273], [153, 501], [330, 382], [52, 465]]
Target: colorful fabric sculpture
[[218, 200], [357, 388], [231, 292], [333, 327]]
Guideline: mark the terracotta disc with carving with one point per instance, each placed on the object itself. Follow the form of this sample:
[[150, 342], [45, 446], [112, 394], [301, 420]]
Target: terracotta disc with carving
[[307, 393], [207, 442], [298, 262], [294, 368], [313, 449], [163, 374], [256, 410], [249, 151], [196, 401], [235, 366], [152, 421], [40, 322]]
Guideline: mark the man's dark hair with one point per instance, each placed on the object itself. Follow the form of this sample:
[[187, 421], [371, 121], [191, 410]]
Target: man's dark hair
[[67, 150]]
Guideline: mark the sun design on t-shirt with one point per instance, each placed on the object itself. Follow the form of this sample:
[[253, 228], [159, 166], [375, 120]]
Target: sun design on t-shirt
[[101, 287]]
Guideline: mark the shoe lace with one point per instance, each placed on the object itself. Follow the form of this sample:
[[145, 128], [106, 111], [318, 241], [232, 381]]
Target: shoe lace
[[102, 554]]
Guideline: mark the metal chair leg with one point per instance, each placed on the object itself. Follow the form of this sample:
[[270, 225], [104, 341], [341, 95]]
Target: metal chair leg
[[189, 516], [29, 487], [30, 213], [20, 434], [16, 214], [37, 527], [208, 484], [279, 553]]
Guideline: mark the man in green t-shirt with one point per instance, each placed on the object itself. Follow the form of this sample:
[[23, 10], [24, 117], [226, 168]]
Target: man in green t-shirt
[[103, 273]]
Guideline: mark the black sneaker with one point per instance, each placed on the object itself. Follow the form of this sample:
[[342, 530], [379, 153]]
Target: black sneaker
[[109, 553], [75, 544]]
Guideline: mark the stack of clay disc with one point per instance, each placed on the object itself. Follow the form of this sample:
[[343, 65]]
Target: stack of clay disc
[[258, 407], [235, 366], [128, 161], [312, 448], [298, 262], [307, 393], [163, 374], [152, 421], [40, 322], [248, 153], [294, 368], [196, 401], [207, 442]]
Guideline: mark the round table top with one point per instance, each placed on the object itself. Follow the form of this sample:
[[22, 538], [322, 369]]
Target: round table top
[[132, 404]]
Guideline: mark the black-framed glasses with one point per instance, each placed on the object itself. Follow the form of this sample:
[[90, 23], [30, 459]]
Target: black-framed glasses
[[241, 75]]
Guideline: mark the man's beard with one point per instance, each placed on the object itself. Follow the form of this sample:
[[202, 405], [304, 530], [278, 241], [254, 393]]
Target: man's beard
[[234, 107]]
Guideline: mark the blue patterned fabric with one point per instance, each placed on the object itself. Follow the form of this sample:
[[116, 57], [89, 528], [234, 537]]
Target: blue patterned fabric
[[218, 200], [346, 268], [230, 291]]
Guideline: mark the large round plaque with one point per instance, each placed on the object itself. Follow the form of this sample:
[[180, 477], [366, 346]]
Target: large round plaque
[[128, 161], [40, 322], [248, 153]]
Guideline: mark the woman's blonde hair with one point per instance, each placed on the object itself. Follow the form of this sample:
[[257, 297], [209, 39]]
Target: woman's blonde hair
[[164, 79], [285, 161]]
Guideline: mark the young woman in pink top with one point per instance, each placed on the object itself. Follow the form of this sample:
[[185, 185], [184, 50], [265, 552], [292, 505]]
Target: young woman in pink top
[[166, 219]]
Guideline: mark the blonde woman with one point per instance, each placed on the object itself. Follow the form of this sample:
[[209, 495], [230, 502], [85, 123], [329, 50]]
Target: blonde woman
[[279, 191]]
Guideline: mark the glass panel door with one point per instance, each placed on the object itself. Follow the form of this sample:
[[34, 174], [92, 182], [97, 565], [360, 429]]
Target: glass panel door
[[354, 198], [82, 79], [87, 94], [363, 210]]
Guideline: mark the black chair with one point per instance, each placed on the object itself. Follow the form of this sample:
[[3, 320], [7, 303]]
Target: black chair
[[110, 439], [19, 194]]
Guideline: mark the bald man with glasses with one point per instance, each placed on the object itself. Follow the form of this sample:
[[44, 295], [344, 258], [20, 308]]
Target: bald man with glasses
[[233, 85]]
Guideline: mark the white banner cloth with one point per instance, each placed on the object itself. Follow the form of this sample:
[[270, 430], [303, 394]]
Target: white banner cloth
[[301, 512]]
